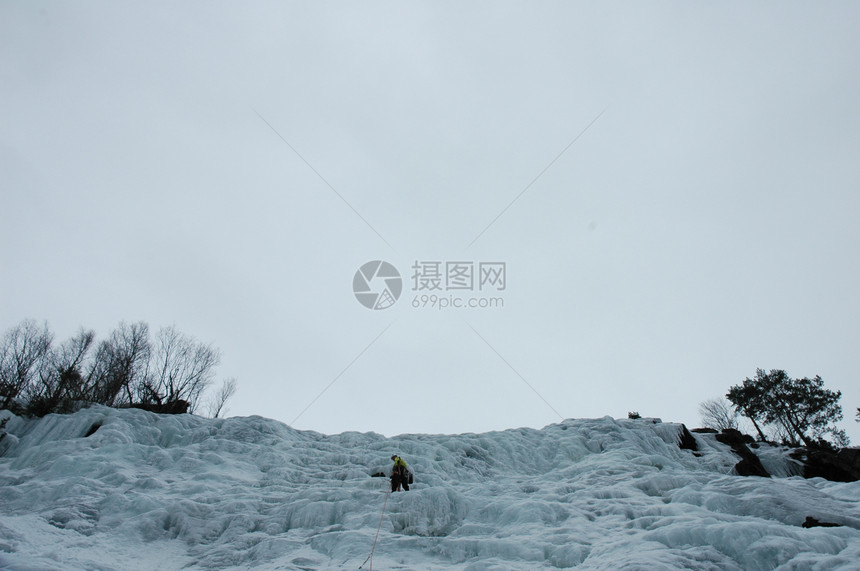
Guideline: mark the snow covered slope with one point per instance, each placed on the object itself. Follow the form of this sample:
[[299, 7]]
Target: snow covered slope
[[145, 491]]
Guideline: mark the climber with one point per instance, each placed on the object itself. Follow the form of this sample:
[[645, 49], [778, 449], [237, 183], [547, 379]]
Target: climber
[[399, 474]]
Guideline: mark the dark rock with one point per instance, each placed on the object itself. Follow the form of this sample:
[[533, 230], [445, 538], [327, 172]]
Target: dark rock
[[705, 430], [749, 465], [838, 466], [178, 406], [378, 475], [850, 457], [812, 522], [730, 435], [687, 441]]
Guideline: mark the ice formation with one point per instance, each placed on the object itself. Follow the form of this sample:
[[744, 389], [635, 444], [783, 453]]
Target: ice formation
[[128, 489]]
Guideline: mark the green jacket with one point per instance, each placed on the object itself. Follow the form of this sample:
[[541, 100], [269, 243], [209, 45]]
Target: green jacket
[[399, 465]]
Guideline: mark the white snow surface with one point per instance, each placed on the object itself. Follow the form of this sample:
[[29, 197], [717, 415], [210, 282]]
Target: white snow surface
[[147, 491]]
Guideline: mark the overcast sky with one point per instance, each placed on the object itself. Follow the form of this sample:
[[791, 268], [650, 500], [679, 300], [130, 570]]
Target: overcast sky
[[228, 170]]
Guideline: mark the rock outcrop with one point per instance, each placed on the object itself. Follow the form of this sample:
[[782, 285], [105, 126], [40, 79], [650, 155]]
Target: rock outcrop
[[834, 465], [812, 522], [749, 465], [686, 440]]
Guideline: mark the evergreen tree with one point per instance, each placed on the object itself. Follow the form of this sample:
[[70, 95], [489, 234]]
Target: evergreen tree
[[801, 409]]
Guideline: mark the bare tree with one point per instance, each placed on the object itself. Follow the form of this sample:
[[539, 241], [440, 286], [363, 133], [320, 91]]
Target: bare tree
[[227, 390], [61, 383], [128, 369], [718, 414], [67, 365], [180, 370], [24, 358], [120, 365]]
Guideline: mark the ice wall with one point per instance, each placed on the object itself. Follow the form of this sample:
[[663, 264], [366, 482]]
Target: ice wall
[[128, 489]]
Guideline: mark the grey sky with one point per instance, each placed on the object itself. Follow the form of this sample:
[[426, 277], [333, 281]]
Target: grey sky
[[705, 225]]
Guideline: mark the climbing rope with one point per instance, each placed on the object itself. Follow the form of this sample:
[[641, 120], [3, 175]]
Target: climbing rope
[[382, 515]]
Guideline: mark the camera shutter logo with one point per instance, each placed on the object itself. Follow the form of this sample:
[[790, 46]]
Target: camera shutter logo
[[377, 285]]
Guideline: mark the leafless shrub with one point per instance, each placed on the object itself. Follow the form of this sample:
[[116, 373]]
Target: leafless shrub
[[218, 402], [24, 358], [718, 414]]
